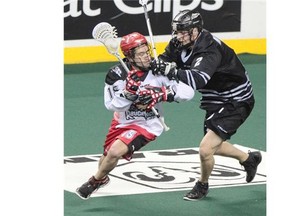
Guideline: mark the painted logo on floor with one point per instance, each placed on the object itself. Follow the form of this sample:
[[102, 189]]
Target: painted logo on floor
[[158, 171]]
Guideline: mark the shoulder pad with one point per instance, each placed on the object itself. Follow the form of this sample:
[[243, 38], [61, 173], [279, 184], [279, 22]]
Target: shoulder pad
[[115, 73]]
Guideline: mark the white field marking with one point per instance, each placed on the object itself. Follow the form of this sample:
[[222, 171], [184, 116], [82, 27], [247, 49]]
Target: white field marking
[[160, 171]]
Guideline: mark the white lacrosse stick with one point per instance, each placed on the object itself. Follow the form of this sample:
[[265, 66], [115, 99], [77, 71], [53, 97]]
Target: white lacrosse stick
[[144, 5], [107, 35]]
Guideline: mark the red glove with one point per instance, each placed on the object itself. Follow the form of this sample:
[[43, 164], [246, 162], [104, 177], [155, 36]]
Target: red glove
[[152, 95], [132, 81]]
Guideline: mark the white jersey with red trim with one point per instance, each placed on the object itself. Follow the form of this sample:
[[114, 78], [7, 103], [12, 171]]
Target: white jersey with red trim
[[126, 111]]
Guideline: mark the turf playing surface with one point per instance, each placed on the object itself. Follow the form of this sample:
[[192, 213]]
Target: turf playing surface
[[86, 123]]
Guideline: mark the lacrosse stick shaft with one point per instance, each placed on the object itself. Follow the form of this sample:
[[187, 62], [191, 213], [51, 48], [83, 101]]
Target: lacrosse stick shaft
[[161, 119], [144, 4], [122, 62]]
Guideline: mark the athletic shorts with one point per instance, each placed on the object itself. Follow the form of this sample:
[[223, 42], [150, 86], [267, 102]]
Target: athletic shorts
[[227, 118], [133, 136]]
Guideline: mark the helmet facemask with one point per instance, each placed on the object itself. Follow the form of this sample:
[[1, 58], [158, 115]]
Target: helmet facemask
[[186, 20], [130, 45], [178, 44], [137, 58]]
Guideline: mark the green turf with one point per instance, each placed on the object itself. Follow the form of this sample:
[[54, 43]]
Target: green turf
[[86, 122], [235, 201]]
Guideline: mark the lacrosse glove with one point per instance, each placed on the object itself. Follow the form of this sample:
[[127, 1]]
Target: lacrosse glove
[[132, 85], [152, 95], [159, 67]]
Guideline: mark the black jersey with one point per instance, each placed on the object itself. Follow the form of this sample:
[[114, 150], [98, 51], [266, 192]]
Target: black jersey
[[212, 68]]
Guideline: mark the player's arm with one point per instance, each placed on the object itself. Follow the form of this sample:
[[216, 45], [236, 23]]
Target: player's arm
[[176, 92], [182, 92], [120, 90], [201, 71]]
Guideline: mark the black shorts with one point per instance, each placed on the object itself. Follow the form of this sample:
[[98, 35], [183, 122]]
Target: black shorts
[[227, 118]]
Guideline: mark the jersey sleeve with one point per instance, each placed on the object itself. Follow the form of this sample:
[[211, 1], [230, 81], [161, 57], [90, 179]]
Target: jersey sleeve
[[182, 92], [202, 69], [114, 99]]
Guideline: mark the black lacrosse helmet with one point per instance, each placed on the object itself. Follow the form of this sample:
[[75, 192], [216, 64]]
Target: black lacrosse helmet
[[186, 20]]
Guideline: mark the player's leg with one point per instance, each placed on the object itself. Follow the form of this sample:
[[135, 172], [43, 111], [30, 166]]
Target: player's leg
[[225, 122], [124, 144], [220, 124], [249, 161], [100, 160], [226, 149], [208, 146], [107, 163]]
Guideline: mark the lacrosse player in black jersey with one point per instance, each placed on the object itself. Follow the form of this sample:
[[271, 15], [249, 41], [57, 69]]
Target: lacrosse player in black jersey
[[197, 58]]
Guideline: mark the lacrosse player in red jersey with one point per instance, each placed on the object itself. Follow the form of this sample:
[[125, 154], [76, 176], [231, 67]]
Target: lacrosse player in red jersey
[[131, 96], [205, 63]]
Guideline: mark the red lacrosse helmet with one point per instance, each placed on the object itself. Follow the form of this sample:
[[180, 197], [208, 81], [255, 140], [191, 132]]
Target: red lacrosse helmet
[[131, 41]]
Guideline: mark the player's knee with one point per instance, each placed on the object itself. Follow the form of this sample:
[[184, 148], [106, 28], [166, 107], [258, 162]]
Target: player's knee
[[117, 151], [114, 153], [205, 151]]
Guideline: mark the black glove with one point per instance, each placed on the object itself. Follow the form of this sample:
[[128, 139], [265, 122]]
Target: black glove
[[176, 43], [164, 68], [152, 95], [158, 67], [132, 85]]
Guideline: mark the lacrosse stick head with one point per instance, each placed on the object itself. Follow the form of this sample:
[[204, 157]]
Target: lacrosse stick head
[[143, 2], [107, 35]]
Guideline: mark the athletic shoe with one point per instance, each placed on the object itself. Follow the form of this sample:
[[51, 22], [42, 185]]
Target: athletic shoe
[[251, 164], [199, 191], [92, 185]]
